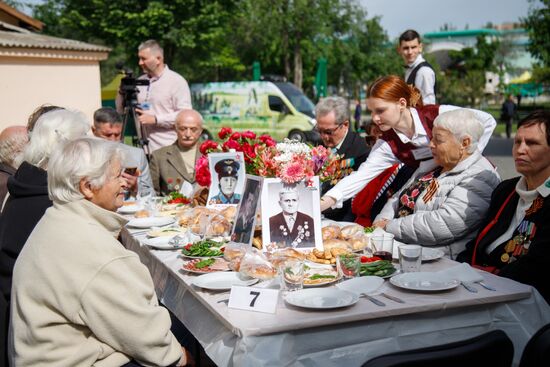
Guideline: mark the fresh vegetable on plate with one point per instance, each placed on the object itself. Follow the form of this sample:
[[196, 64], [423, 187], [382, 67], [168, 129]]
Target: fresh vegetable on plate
[[204, 263], [204, 248], [379, 268], [177, 198], [369, 229]]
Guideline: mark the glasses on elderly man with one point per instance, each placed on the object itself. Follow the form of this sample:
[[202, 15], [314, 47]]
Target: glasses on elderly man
[[328, 132]]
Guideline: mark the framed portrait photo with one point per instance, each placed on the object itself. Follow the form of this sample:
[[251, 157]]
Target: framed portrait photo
[[228, 176], [291, 214], [245, 220]]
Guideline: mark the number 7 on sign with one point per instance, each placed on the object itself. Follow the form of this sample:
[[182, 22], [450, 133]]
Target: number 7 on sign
[[256, 295], [253, 299]]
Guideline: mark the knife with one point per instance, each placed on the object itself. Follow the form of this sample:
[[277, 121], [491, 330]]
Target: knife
[[469, 287], [393, 298], [373, 300]]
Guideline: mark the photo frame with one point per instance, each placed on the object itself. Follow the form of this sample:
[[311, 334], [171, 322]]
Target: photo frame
[[245, 220], [300, 201], [228, 174]]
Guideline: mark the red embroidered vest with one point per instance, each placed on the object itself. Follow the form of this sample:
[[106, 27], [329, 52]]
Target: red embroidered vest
[[403, 151]]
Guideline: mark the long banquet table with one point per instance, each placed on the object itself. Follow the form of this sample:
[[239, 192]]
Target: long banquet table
[[349, 336]]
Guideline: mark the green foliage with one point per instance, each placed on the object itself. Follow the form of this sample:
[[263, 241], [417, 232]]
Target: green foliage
[[217, 40], [537, 24], [464, 82]]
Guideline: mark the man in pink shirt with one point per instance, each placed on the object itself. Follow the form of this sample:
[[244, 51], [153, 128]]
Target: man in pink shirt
[[160, 101]]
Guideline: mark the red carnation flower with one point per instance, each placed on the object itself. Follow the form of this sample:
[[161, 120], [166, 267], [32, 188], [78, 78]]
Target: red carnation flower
[[235, 136], [248, 135], [231, 144], [268, 140], [224, 132], [208, 146]]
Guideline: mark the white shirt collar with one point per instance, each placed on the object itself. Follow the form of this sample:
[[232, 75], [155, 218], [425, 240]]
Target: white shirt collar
[[418, 128], [418, 60], [543, 190]]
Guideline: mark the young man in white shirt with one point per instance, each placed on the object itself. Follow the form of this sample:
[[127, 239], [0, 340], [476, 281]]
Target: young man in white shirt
[[418, 71]]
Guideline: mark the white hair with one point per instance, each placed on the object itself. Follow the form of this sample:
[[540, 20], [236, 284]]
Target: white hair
[[338, 105], [52, 129], [12, 147], [152, 45], [461, 123], [88, 158]]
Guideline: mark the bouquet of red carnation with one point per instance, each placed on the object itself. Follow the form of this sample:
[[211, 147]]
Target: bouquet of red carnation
[[291, 161], [246, 142]]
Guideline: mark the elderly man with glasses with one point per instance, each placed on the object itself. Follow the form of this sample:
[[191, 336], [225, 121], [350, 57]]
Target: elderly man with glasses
[[332, 114]]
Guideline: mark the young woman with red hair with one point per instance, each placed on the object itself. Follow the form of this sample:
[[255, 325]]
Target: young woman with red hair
[[406, 125]]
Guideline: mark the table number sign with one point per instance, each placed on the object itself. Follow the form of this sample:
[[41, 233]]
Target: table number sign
[[253, 299]]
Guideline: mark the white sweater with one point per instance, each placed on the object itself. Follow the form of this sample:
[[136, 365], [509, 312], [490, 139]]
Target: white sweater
[[79, 298]]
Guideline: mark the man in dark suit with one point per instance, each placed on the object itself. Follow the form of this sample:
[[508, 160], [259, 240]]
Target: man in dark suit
[[172, 165], [332, 114], [291, 227]]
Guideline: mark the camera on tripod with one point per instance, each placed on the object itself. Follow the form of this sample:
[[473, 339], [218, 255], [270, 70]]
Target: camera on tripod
[[128, 86]]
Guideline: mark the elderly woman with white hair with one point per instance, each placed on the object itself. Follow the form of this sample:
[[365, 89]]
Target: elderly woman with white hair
[[28, 195], [443, 206], [79, 297]]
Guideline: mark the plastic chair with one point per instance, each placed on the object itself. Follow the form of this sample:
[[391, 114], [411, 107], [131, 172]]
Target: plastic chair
[[537, 350], [493, 349]]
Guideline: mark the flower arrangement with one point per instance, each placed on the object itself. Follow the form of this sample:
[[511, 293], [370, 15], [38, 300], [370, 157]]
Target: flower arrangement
[[290, 160]]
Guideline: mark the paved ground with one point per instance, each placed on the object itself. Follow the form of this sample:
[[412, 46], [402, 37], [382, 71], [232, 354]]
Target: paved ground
[[499, 152]]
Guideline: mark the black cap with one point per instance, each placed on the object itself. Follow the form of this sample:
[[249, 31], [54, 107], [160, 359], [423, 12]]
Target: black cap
[[227, 168]]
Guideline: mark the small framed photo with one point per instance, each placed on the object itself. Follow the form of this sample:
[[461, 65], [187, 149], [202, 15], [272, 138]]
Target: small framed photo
[[245, 220], [228, 175], [291, 214]]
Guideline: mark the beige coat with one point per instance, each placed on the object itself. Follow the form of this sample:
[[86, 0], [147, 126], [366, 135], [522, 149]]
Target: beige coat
[[79, 298], [167, 163]]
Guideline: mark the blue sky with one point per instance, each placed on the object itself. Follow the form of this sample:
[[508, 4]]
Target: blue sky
[[430, 15]]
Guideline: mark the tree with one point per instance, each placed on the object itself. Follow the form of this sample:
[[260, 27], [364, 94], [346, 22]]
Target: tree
[[537, 24], [464, 81], [183, 27]]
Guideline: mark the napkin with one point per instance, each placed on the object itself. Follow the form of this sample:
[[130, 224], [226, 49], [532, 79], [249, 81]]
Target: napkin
[[462, 272]]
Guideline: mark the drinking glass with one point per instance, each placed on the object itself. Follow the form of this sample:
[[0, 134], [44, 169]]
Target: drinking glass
[[382, 245], [348, 265], [292, 273], [410, 258]]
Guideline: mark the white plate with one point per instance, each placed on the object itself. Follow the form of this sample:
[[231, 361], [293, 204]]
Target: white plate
[[221, 281], [161, 243], [321, 298], [129, 209], [423, 281], [150, 222], [359, 285]]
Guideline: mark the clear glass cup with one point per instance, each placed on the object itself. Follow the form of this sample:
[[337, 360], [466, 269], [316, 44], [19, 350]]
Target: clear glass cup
[[292, 272], [410, 258], [348, 265], [382, 242]]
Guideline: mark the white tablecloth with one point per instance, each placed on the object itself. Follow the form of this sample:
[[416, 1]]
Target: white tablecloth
[[349, 336]]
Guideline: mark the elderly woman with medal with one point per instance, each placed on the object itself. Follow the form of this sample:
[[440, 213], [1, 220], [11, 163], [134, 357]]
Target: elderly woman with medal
[[514, 240], [441, 206]]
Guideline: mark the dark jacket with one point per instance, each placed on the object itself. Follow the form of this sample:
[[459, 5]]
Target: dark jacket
[[530, 268], [302, 234], [5, 173], [355, 149], [26, 205]]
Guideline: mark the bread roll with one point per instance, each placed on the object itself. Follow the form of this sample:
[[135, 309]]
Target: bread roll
[[351, 231], [330, 232], [330, 244], [142, 214]]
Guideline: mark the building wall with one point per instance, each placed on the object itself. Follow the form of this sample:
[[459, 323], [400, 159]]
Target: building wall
[[27, 83]]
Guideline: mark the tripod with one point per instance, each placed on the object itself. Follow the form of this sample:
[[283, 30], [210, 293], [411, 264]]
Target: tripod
[[130, 103]]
